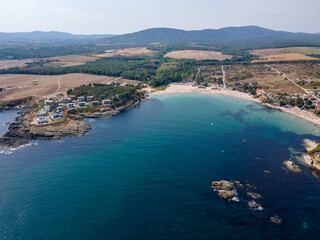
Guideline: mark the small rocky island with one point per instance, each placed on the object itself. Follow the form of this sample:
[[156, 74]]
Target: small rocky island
[[255, 206], [254, 196], [61, 116], [292, 166], [226, 189]]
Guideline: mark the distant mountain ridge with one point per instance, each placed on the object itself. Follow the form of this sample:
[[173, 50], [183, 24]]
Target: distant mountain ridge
[[225, 37], [229, 35], [47, 36]]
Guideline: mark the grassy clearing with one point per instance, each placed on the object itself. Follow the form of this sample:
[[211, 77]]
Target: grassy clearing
[[284, 58], [303, 50], [168, 66]]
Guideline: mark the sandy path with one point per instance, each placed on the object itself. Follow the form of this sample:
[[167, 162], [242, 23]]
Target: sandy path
[[223, 77], [285, 76]]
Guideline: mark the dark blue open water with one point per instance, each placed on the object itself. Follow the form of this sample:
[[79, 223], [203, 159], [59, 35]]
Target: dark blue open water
[[146, 174]]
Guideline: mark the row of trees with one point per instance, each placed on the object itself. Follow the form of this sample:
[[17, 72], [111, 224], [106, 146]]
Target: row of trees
[[48, 51], [139, 69], [300, 102]]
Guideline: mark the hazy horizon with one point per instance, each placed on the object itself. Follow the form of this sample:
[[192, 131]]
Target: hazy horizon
[[124, 16], [153, 28]]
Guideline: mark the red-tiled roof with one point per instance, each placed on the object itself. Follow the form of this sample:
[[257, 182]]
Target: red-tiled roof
[[260, 91]]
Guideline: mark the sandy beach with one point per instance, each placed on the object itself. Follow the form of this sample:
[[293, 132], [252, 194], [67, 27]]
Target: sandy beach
[[177, 88]]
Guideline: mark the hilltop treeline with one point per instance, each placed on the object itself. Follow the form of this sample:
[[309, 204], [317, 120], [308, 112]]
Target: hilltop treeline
[[119, 95]]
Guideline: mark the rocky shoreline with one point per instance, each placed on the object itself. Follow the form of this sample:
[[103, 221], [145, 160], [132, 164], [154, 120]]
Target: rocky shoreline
[[21, 132], [312, 158]]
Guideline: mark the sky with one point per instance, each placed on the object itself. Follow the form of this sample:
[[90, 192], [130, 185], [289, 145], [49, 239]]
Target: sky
[[125, 16]]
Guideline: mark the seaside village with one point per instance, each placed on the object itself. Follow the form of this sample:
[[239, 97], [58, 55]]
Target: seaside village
[[218, 80], [54, 110]]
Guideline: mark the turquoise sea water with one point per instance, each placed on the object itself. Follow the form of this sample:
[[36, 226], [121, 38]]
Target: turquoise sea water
[[146, 174]]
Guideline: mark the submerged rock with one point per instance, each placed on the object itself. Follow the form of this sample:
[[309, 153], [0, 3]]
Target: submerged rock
[[292, 166], [225, 194], [223, 185], [276, 219], [315, 174], [255, 206], [254, 195]]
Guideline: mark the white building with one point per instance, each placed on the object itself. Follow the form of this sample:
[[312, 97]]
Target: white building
[[70, 105], [59, 109], [81, 104], [80, 99], [41, 120], [56, 116], [106, 102], [47, 108], [90, 98]]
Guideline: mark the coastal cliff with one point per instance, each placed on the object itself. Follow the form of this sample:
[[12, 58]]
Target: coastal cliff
[[312, 158], [21, 131]]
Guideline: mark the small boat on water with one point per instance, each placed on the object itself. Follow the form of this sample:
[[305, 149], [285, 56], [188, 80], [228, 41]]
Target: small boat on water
[[244, 140]]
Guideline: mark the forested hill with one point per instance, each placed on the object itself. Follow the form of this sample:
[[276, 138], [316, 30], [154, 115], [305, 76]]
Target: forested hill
[[46, 36], [229, 35]]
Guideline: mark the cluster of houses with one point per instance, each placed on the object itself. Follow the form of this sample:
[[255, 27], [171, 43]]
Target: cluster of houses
[[46, 114], [314, 98], [81, 102], [253, 84]]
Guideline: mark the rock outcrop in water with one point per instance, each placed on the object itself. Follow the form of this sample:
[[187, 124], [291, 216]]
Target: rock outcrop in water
[[254, 196], [309, 145], [312, 158], [223, 185], [225, 194], [292, 166], [226, 189], [255, 206]]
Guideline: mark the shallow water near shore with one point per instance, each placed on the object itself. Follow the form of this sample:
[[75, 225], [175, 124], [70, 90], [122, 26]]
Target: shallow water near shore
[[147, 173]]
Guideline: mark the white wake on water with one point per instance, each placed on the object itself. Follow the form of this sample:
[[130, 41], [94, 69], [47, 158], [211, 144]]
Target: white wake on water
[[8, 151]]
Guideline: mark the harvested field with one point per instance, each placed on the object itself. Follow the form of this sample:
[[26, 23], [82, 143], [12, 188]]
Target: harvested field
[[198, 55], [6, 64], [278, 51], [70, 60], [62, 61], [22, 86], [284, 57], [128, 52], [267, 52]]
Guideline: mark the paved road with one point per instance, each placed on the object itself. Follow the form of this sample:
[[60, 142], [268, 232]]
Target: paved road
[[223, 77]]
